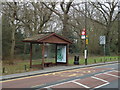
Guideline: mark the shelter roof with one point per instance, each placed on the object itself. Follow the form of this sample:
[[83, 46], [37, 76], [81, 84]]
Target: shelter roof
[[47, 38]]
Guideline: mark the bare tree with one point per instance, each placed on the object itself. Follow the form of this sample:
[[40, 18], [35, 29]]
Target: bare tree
[[109, 13], [28, 16], [102, 13], [11, 10], [64, 14], [35, 16]]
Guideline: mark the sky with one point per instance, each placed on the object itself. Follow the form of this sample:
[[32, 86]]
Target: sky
[[76, 1]]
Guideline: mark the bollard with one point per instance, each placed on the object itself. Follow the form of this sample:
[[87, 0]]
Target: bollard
[[4, 70], [25, 67]]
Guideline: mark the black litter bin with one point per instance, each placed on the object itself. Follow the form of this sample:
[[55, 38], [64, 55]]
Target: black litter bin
[[76, 60]]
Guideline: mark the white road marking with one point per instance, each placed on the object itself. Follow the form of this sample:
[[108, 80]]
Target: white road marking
[[106, 72], [98, 74], [99, 79], [36, 86], [106, 82], [57, 84], [102, 85], [61, 83], [75, 81], [112, 75], [80, 84]]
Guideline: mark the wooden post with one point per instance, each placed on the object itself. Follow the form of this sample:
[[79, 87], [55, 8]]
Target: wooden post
[[67, 53], [43, 50], [55, 54], [30, 55]]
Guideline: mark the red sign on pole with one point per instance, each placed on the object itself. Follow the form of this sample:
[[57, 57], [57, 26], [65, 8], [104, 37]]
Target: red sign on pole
[[83, 35], [84, 32]]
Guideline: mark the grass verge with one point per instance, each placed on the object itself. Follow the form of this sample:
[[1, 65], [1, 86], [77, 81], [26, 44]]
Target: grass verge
[[23, 66]]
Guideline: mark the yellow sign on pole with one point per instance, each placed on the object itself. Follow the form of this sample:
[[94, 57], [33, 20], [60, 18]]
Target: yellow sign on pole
[[86, 39]]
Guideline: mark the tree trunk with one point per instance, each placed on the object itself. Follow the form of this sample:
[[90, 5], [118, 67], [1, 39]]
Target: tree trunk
[[65, 31], [12, 50], [107, 40], [13, 44]]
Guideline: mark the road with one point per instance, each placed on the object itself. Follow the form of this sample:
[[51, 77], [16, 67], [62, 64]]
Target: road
[[104, 76]]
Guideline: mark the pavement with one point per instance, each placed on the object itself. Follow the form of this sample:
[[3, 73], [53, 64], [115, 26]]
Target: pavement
[[50, 70]]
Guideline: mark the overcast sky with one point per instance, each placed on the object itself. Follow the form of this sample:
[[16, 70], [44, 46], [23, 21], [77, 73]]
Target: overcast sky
[[76, 1]]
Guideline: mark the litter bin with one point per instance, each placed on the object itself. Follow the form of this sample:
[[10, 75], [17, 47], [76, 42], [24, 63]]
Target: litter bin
[[76, 60]]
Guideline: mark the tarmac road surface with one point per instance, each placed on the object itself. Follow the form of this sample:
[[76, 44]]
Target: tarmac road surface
[[104, 76]]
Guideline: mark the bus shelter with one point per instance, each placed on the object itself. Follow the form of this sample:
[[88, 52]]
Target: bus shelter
[[61, 47]]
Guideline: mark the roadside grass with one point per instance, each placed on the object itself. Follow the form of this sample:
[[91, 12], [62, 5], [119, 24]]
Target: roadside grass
[[23, 66], [92, 60]]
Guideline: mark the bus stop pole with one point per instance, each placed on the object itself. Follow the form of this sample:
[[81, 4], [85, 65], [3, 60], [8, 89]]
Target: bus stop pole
[[86, 51]]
